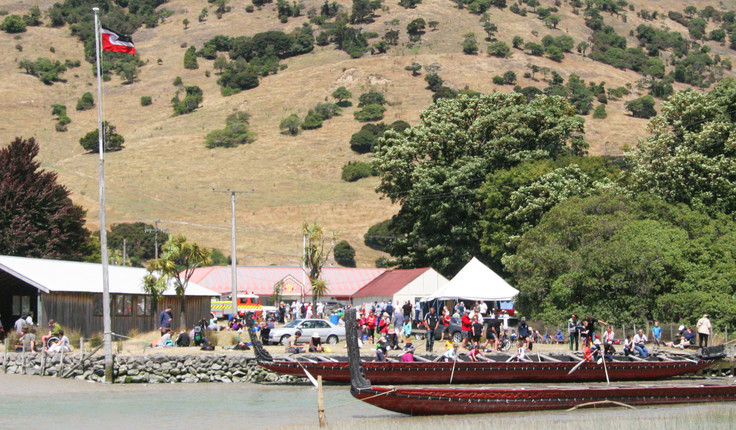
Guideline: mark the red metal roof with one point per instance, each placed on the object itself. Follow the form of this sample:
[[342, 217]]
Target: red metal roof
[[342, 282], [390, 282]]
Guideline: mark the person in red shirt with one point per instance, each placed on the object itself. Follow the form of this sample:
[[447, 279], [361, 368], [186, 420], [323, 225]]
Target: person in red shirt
[[370, 322], [467, 324], [383, 325], [445, 323]]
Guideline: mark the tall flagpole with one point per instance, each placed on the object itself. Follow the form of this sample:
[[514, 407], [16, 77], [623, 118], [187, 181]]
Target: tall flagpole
[[106, 321]]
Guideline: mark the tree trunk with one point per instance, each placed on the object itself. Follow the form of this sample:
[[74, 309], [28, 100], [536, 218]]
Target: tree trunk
[[182, 312]]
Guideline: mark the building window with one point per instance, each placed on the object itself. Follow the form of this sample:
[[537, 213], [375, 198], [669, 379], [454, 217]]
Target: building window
[[144, 306], [123, 305], [21, 305], [97, 305]]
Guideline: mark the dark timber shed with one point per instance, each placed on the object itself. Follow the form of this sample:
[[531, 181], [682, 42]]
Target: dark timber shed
[[71, 293]]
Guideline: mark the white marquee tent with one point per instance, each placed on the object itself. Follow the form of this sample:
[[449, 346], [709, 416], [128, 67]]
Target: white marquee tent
[[475, 282]]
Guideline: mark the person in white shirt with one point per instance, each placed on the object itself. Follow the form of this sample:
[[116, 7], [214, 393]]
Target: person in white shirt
[[62, 345], [640, 340], [483, 308], [704, 330], [320, 310]]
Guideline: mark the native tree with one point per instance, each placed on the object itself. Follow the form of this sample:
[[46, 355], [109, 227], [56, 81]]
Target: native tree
[[316, 252], [435, 169], [177, 262], [690, 156], [627, 259]]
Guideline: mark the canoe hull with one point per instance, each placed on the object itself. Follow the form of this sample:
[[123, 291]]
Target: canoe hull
[[448, 401], [490, 372]]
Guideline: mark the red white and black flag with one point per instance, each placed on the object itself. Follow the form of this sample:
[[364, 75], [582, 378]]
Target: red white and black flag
[[115, 42]]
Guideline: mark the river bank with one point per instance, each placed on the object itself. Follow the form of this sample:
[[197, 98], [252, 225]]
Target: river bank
[[146, 368]]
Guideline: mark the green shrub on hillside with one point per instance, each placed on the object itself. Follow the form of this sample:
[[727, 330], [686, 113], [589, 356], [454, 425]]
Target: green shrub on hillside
[[190, 58], [342, 95], [255, 56], [534, 49], [371, 112], [33, 19], [416, 29], [354, 170], [344, 254], [499, 49], [370, 98], [86, 101], [62, 119], [311, 121], [380, 235], [409, 4], [13, 24], [192, 98], [46, 70], [642, 107], [367, 137], [146, 101], [235, 133], [112, 140], [600, 112], [290, 125], [470, 44]]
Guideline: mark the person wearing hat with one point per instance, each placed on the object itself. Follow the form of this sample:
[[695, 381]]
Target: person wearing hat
[[680, 337], [315, 343], [704, 330], [573, 330], [408, 355], [393, 339], [381, 349]]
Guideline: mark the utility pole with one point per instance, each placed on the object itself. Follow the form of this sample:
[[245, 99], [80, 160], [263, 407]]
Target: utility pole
[[233, 257], [155, 231], [125, 245]]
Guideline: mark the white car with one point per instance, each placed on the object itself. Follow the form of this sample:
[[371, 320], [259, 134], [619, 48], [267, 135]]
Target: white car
[[328, 332]]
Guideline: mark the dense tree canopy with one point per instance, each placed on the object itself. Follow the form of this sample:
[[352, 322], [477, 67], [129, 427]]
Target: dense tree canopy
[[435, 169], [515, 199], [37, 217], [690, 155], [139, 245], [627, 259]]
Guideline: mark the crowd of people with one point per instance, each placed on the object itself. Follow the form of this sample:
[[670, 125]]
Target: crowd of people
[[389, 327], [54, 341], [392, 325]]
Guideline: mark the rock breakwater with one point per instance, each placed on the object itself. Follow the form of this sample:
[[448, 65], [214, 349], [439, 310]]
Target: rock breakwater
[[147, 368]]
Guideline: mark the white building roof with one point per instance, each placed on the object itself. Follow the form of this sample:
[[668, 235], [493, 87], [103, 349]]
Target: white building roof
[[73, 276]]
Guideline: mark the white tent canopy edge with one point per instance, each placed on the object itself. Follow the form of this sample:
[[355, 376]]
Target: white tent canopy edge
[[475, 281]]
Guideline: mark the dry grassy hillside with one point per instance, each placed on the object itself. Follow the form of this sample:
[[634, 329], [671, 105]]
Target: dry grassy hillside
[[165, 172]]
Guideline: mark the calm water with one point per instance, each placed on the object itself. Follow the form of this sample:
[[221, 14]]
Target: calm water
[[30, 402]]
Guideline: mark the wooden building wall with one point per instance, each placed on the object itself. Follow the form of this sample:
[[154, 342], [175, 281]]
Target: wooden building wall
[[82, 312]]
